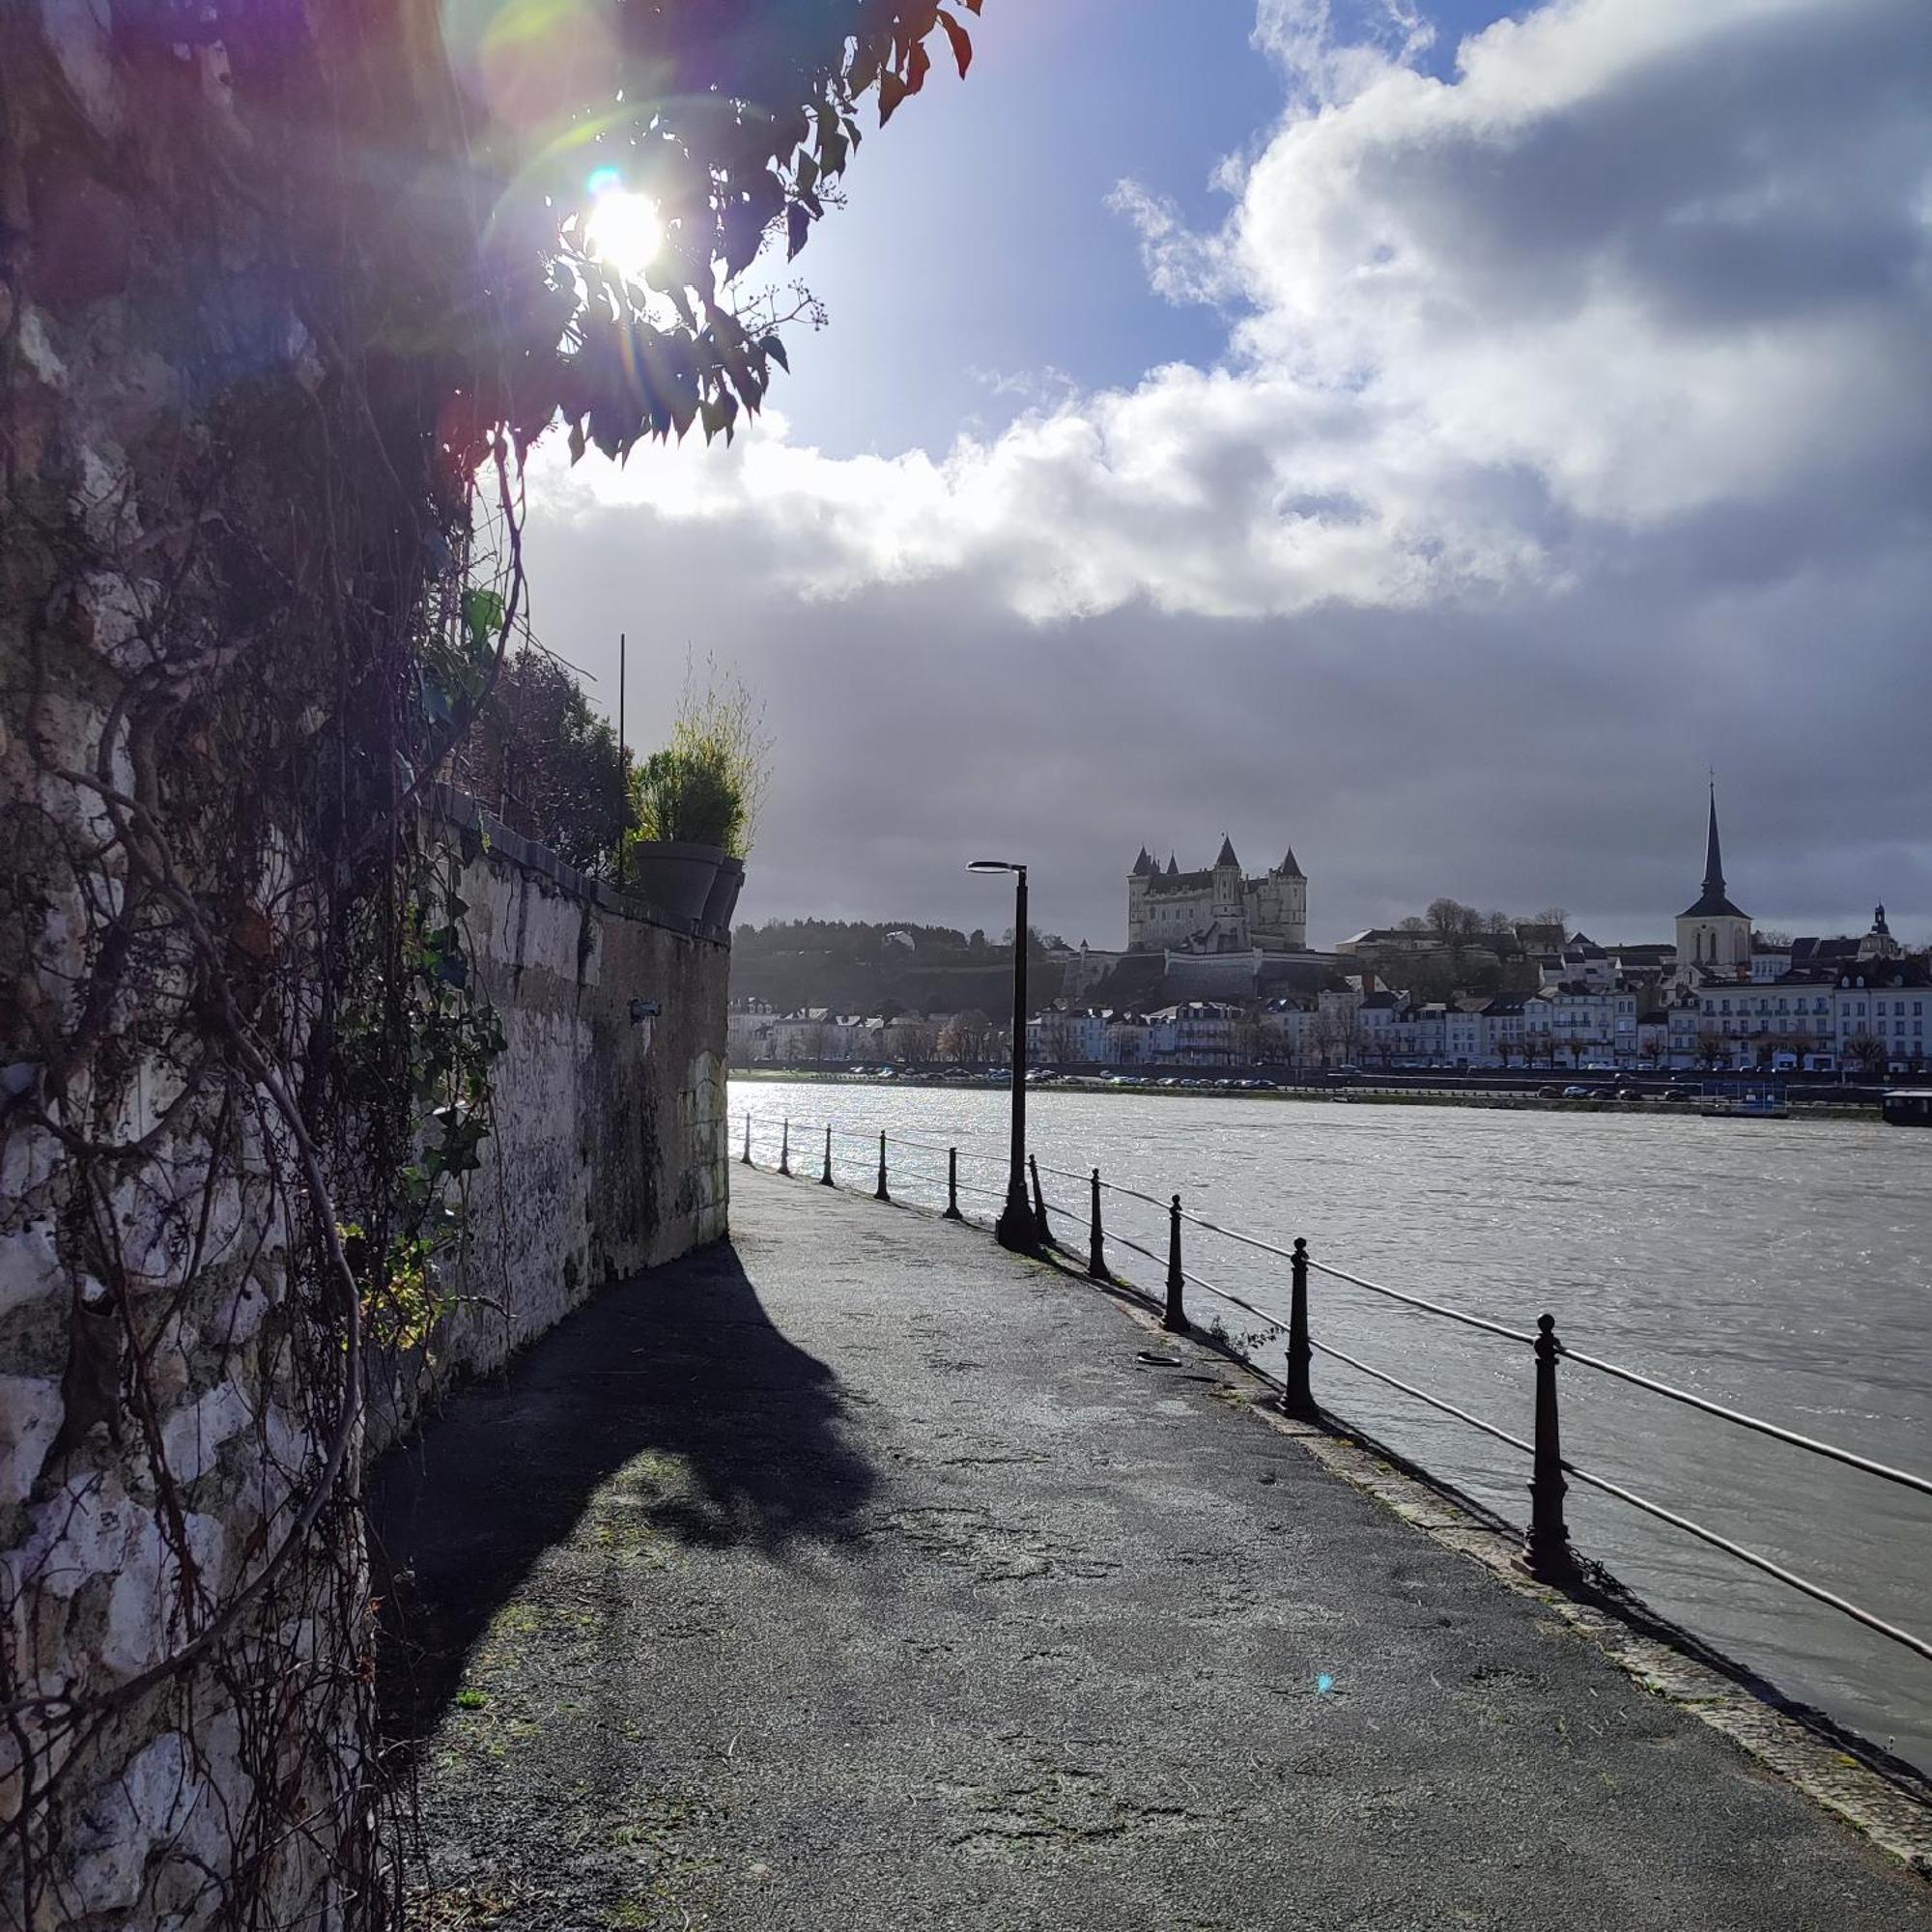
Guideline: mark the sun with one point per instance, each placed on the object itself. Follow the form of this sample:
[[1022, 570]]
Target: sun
[[622, 230]]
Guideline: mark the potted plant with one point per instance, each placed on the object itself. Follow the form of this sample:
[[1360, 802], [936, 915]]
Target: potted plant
[[696, 804]]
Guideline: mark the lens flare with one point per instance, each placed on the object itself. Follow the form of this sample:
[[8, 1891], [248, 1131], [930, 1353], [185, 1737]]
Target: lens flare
[[623, 229]]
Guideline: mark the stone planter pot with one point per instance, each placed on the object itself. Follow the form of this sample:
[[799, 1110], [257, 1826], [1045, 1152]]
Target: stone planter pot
[[675, 877], [725, 890]]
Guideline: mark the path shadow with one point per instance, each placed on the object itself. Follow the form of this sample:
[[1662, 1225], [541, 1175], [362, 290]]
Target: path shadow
[[682, 1361]]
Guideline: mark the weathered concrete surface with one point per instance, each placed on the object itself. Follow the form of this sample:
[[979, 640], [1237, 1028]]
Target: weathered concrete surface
[[859, 1576]]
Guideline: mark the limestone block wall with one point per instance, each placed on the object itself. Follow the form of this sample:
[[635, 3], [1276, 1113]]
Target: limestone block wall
[[609, 1151]]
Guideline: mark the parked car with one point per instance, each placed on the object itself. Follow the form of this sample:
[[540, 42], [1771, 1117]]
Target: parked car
[[1550, 1092]]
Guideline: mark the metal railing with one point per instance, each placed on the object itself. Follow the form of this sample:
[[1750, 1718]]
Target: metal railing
[[1548, 1550]]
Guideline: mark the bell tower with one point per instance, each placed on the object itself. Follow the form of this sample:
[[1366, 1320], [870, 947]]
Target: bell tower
[[1712, 934]]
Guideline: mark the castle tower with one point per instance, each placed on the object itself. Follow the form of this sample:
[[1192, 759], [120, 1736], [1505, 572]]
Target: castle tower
[[1229, 904], [1713, 933], [1137, 897], [1278, 908]]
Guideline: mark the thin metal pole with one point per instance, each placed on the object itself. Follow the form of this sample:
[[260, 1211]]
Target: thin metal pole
[[745, 1158], [785, 1149], [1296, 1398], [879, 1193], [1546, 1549], [1018, 1229], [623, 760], [953, 1212], [1096, 1252], [1175, 1318], [825, 1178]]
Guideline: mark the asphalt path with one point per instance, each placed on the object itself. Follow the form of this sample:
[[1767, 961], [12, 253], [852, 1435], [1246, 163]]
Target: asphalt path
[[855, 1574]]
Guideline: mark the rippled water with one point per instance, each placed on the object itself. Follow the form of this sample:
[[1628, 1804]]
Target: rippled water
[[1779, 1267]]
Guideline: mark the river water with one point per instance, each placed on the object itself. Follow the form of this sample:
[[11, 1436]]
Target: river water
[[1782, 1267]]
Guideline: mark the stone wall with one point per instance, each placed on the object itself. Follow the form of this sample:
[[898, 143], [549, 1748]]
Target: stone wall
[[609, 1147], [609, 1153], [229, 519]]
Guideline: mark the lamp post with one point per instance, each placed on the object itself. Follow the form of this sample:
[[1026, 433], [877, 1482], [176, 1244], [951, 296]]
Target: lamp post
[[1015, 1228]]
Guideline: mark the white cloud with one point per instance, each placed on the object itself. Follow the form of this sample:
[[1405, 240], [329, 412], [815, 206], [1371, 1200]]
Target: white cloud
[[1570, 435], [1639, 260]]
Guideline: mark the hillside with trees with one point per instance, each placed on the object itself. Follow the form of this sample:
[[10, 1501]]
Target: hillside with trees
[[889, 968]]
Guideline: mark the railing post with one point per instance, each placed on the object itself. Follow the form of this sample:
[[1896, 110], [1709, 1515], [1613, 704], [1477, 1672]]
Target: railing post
[[953, 1212], [879, 1192], [825, 1178], [1096, 1254], [1042, 1231], [785, 1149], [1175, 1318], [745, 1158], [1546, 1549], [1296, 1398]]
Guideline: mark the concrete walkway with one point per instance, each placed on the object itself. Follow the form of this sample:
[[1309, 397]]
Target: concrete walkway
[[859, 1577]]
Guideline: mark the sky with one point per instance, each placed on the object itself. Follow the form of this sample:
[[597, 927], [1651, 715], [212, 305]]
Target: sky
[[1431, 437]]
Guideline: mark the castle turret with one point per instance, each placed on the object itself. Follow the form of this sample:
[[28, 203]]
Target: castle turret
[[1137, 896]]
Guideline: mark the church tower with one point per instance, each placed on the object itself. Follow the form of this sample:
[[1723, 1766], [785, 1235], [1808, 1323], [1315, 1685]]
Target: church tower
[[1713, 933]]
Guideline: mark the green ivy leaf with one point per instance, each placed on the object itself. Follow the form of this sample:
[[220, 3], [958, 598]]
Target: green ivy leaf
[[483, 615]]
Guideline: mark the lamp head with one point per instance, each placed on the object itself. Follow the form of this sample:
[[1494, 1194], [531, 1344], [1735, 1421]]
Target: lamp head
[[994, 865]]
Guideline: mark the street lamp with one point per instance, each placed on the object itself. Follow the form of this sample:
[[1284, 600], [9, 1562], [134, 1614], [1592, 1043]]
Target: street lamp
[[1015, 1229]]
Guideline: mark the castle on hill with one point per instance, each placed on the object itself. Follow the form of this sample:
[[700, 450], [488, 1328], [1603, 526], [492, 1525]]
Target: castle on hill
[[1216, 910]]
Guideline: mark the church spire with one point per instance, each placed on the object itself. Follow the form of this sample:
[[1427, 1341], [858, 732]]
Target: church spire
[[1714, 858]]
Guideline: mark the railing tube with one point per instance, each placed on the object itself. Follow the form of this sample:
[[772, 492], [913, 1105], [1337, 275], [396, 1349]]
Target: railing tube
[[1547, 1547], [953, 1212], [825, 1178], [1296, 1398], [1175, 1318], [1096, 1253], [1041, 1230], [745, 1158], [879, 1192], [785, 1149]]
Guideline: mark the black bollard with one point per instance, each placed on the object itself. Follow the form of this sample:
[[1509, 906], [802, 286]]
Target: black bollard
[[879, 1193], [1096, 1253], [784, 1151], [1295, 1397], [953, 1212], [1545, 1550], [825, 1178], [745, 1158], [1175, 1318]]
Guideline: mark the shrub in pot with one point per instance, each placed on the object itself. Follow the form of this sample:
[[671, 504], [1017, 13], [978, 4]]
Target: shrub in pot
[[694, 804]]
